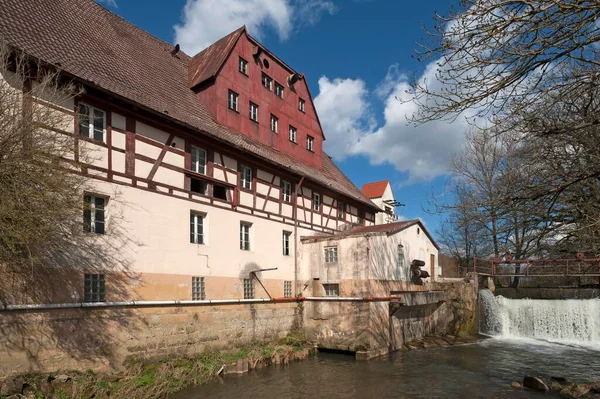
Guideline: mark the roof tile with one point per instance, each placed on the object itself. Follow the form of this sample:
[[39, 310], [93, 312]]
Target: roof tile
[[375, 189]]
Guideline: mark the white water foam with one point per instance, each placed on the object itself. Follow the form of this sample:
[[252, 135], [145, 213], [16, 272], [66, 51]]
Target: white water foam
[[573, 322]]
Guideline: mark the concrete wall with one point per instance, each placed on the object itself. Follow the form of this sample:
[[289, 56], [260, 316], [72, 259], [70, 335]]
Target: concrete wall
[[102, 339]]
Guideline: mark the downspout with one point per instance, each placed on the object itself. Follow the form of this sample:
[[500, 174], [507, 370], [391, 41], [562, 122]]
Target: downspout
[[298, 187]]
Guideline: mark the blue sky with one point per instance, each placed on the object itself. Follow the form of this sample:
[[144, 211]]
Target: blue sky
[[357, 56]]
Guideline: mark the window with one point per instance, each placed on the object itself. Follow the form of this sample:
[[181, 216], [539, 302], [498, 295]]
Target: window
[[287, 289], [310, 143], [94, 214], [341, 211], [92, 122], [301, 105], [332, 289], [198, 160], [220, 192], [253, 112], [274, 124], [198, 186], [286, 242], [246, 175], [196, 228], [400, 257], [245, 236], [361, 218], [267, 82], [331, 255], [94, 288], [316, 202], [243, 66], [248, 288], [278, 90], [293, 133], [286, 191], [198, 293], [232, 101]]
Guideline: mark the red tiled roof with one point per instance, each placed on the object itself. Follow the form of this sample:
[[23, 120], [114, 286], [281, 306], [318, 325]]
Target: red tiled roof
[[388, 229], [375, 189], [103, 50]]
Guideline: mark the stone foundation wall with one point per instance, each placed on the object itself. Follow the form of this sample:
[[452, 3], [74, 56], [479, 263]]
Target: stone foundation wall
[[103, 339]]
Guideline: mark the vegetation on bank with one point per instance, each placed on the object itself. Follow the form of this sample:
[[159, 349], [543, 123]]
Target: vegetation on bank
[[142, 379]]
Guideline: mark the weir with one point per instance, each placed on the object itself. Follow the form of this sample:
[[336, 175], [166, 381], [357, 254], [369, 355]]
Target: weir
[[565, 321]]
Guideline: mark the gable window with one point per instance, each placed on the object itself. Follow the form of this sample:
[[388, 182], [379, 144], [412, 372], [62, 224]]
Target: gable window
[[316, 201], [267, 82], [245, 236], [198, 160], [94, 214], [331, 254], [248, 288], [243, 66], [278, 90], [287, 289], [341, 211], [274, 124], [198, 291], [196, 228], [246, 177], [253, 112], [400, 257], [301, 105], [92, 122], [310, 143], [94, 288], [286, 242], [293, 133], [331, 289], [286, 191], [232, 101]]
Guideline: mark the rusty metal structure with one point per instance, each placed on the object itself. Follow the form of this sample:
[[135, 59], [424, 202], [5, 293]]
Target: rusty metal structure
[[579, 266]]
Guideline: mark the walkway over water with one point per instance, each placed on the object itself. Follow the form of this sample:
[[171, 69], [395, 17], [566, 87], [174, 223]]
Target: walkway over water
[[573, 267]]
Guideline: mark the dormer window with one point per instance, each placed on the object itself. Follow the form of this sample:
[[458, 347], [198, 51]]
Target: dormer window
[[232, 101], [243, 66], [301, 105], [274, 124], [310, 143], [267, 82], [278, 90], [293, 133], [253, 112]]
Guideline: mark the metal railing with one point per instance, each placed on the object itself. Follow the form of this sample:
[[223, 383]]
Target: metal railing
[[568, 267]]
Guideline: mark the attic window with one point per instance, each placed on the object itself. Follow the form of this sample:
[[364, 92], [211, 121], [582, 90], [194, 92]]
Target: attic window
[[243, 66], [267, 82], [278, 90], [301, 105], [266, 63]]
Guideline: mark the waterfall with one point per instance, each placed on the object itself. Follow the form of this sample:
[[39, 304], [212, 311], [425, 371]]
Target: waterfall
[[565, 321]]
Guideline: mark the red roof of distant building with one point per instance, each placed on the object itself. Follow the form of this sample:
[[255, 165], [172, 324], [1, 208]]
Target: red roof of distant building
[[375, 189]]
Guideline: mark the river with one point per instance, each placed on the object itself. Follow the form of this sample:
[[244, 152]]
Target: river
[[479, 370]]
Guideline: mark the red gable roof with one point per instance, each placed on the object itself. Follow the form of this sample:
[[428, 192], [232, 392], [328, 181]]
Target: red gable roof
[[375, 189], [99, 48]]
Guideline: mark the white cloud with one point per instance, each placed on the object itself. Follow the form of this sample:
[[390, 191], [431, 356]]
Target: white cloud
[[205, 21], [346, 115]]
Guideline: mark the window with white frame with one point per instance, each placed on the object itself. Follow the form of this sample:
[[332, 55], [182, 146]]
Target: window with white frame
[[293, 134], [278, 90], [245, 229], [286, 242], [196, 228], [232, 101], [286, 191], [198, 160], [341, 211], [400, 257], [331, 254], [92, 122], [94, 288], [248, 288], [331, 289], [253, 112], [267, 82], [243, 66], [310, 143], [246, 177], [274, 124], [94, 214], [316, 201], [287, 289], [198, 292], [301, 105]]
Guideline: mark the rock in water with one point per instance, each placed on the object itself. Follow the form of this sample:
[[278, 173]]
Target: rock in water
[[535, 383], [515, 384], [575, 391], [490, 285]]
